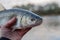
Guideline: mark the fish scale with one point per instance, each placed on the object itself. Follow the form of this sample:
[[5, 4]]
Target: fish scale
[[24, 18]]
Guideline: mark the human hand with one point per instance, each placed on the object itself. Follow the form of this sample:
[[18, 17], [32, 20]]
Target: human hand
[[6, 30]]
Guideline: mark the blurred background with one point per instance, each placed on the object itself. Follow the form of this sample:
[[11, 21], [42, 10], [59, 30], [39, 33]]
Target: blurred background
[[49, 10]]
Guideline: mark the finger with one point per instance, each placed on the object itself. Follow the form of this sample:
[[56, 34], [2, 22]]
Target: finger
[[23, 31], [10, 23], [0, 26]]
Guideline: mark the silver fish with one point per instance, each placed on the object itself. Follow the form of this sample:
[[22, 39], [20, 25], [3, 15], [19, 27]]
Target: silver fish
[[25, 18]]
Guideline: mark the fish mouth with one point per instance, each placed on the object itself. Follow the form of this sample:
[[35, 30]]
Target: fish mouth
[[38, 22]]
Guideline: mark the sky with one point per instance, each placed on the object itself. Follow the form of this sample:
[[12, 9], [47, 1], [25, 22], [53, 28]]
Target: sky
[[9, 3]]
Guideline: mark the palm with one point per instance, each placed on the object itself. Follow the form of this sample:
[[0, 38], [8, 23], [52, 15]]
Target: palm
[[13, 35]]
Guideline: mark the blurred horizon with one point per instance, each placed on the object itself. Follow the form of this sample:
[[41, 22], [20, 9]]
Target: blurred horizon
[[40, 7], [9, 3]]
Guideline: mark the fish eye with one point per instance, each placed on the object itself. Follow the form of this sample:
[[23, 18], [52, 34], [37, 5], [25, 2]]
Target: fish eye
[[32, 19]]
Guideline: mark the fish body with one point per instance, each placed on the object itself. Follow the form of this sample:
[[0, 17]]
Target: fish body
[[25, 18]]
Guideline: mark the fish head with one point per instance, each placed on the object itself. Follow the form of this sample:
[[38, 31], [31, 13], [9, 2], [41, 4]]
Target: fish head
[[31, 20]]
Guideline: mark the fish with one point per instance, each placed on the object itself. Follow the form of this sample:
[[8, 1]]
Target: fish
[[25, 18]]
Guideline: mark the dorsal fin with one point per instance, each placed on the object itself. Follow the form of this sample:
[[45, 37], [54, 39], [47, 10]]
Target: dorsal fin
[[2, 7]]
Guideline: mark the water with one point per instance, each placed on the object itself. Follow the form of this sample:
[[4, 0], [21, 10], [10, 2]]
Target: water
[[48, 30]]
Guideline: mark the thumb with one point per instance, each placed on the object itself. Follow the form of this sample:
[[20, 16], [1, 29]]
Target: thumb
[[10, 23]]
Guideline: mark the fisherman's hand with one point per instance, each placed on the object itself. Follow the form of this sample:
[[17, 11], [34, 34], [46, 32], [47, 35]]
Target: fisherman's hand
[[6, 30]]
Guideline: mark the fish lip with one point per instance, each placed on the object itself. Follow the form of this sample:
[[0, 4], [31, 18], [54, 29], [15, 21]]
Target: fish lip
[[39, 22], [36, 24]]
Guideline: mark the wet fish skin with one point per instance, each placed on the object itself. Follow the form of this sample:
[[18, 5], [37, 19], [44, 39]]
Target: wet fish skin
[[25, 18]]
